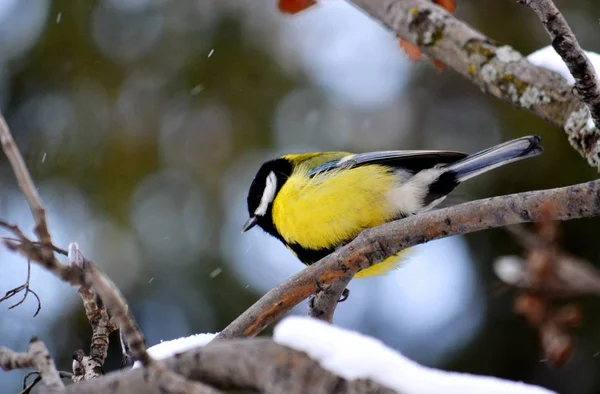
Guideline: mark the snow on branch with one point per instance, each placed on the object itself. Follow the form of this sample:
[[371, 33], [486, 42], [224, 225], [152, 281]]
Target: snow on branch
[[497, 69], [355, 356], [587, 86], [305, 355]]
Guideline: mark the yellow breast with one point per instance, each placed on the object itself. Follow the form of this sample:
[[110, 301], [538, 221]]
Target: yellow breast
[[334, 207]]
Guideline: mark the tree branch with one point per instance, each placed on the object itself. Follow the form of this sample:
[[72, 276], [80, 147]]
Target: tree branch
[[564, 42], [36, 357], [376, 244], [497, 69], [323, 305], [116, 306], [85, 274], [90, 367], [258, 364], [25, 183]]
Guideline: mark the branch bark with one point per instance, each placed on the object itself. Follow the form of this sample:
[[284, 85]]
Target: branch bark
[[258, 364], [564, 42], [323, 304], [26, 184], [36, 357], [376, 244], [91, 367], [497, 69]]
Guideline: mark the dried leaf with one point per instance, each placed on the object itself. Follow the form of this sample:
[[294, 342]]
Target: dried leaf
[[448, 5], [295, 6], [413, 52]]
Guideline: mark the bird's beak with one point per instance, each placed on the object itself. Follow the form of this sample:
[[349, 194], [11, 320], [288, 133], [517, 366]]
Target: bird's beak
[[249, 224]]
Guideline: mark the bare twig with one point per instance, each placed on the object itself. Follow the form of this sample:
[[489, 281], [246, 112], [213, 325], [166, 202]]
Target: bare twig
[[37, 253], [28, 387], [574, 276], [323, 305], [91, 367], [548, 278], [83, 273], [587, 86], [376, 244], [258, 364], [25, 288], [114, 302], [25, 183], [497, 69], [54, 247], [125, 353], [36, 357], [117, 308]]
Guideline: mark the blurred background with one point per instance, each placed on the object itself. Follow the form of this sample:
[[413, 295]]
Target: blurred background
[[143, 123]]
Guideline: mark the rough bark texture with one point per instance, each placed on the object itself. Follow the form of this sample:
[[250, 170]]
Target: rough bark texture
[[36, 357], [376, 244], [257, 364], [564, 42], [497, 69]]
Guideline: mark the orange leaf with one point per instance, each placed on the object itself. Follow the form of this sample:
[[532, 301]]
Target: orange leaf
[[295, 6], [438, 64], [412, 51], [448, 5]]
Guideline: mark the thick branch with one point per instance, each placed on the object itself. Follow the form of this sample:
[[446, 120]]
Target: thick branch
[[497, 69], [376, 244], [36, 357], [565, 43], [258, 364]]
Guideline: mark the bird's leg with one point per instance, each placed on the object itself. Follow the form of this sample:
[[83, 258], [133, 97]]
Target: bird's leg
[[345, 295]]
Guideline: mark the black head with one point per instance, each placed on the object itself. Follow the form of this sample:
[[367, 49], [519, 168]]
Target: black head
[[266, 184]]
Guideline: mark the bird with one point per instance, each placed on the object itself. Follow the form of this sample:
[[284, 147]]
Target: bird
[[317, 202]]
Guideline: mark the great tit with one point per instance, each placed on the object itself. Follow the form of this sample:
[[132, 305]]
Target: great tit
[[316, 202]]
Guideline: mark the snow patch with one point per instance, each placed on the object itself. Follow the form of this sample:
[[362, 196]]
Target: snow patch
[[354, 356], [167, 349]]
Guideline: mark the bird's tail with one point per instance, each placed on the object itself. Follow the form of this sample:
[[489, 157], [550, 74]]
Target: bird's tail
[[499, 155]]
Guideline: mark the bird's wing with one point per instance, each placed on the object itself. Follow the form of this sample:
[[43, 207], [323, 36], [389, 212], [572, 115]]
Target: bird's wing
[[410, 160]]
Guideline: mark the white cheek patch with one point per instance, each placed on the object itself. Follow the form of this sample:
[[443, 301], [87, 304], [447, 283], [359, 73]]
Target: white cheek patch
[[268, 194]]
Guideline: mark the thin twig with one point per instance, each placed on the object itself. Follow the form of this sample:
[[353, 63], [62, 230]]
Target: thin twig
[[54, 247], [91, 367], [36, 252], [27, 389], [26, 289], [25, 182], [564, 42], [118, 310], [82, 273], [548, 280], [376, 244]]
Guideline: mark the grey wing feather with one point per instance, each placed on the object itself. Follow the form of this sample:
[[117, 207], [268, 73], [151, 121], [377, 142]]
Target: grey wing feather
[[410, 160]]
